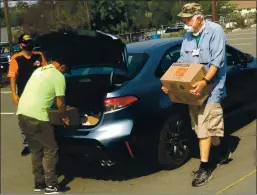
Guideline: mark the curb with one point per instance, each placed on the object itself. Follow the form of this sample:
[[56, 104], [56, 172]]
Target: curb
[[236, 30]]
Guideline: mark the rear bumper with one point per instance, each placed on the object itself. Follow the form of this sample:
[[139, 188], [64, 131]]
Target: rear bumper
[[106, 141], [93, 149]]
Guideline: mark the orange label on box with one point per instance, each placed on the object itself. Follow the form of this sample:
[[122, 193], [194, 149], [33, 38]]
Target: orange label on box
[[180, 72]]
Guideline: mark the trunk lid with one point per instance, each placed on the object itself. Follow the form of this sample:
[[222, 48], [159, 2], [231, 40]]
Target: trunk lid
[[85, 49]]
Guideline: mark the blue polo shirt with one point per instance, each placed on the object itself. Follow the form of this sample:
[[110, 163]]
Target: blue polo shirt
[[212, 45]]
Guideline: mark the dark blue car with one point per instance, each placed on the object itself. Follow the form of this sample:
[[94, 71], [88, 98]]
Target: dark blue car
[[5, 56], [119, 87]]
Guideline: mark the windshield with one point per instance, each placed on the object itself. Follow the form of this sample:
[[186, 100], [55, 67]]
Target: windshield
[[4, 50], [136, 62]]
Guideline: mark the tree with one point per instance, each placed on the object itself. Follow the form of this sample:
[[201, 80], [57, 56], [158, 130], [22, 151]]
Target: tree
[[70, 14], [160, 12], [17, 12], [224, 7], [151, 13], [137, 14], [109, 16], [113, 16], [39, 17], [52, 16], [2, 19]]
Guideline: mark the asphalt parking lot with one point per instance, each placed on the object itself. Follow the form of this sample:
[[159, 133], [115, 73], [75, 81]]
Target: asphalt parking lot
[[237, 177]]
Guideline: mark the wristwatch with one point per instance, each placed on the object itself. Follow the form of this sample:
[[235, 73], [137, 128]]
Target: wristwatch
[[207, 81]]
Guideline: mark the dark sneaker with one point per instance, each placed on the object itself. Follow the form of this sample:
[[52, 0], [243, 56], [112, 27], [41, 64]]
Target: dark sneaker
[[201, 177], [39, 187], [25, 151], [52, 190]]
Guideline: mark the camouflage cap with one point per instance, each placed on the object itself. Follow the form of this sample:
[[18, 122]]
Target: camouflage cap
[[191, 9]]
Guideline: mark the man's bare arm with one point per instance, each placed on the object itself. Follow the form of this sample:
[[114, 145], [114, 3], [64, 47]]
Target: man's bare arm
[[13, 85], [198, 87], [13, 89], [60, 103], [211, 73]]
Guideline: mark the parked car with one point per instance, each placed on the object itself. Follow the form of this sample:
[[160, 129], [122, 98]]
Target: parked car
[[5, 56], [175, 28], [120, 86]]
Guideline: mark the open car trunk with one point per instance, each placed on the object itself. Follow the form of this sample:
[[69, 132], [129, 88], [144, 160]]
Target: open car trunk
[[92, 57]]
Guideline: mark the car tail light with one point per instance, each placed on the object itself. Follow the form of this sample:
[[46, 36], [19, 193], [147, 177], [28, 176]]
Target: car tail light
[[119, 102]]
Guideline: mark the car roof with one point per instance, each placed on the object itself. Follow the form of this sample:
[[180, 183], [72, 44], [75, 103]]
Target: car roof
[[144, 46], [4, 44]]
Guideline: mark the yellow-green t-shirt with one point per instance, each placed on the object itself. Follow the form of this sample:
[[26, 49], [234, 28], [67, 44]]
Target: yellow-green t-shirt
[[38, 96]]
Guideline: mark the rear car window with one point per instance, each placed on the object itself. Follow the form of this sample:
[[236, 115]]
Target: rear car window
[[136, 62]]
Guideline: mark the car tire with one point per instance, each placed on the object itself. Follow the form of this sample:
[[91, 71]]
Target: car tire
[[173, 146]]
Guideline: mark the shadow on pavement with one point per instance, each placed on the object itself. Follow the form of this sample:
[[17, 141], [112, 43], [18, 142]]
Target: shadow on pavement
[[233, 123], [75, 167], [79, 167]]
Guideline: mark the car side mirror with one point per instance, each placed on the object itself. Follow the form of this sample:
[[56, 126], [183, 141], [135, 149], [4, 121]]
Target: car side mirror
[[242, 63], [245, 59], [248, 57]]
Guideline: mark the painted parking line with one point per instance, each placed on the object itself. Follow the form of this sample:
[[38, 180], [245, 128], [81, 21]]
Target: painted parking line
[[5, 92], [7, 113], [242, 38], [239, 34], [243, 44], [236, 182], [245, 30]]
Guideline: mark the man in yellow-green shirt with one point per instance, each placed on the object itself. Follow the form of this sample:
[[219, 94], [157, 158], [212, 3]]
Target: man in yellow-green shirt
[[45, 84]]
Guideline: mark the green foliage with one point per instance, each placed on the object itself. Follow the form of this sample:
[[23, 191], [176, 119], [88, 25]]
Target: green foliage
[[227, 30], [223, 7], [113, 16], [160, 12], [109, 15], [124, 40], [250, 18], [117, 17], [137, 15], [16, 32], [17, 12], [226, 7], [69, 14], [180, 33], [238, 18]]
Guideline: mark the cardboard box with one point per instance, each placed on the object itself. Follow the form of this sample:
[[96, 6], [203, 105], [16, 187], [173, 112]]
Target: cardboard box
[[90, 120], [180, 78], [71, 112]]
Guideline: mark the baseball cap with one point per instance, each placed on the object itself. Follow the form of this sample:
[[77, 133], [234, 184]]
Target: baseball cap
[[190, 9], [24, 38]]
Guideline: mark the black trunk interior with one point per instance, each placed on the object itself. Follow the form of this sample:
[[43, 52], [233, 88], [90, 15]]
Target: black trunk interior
[[87, 93]]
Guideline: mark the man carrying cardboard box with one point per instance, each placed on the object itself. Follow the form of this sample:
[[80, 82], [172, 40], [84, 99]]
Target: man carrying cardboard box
[[45, 84], [205, 43]]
